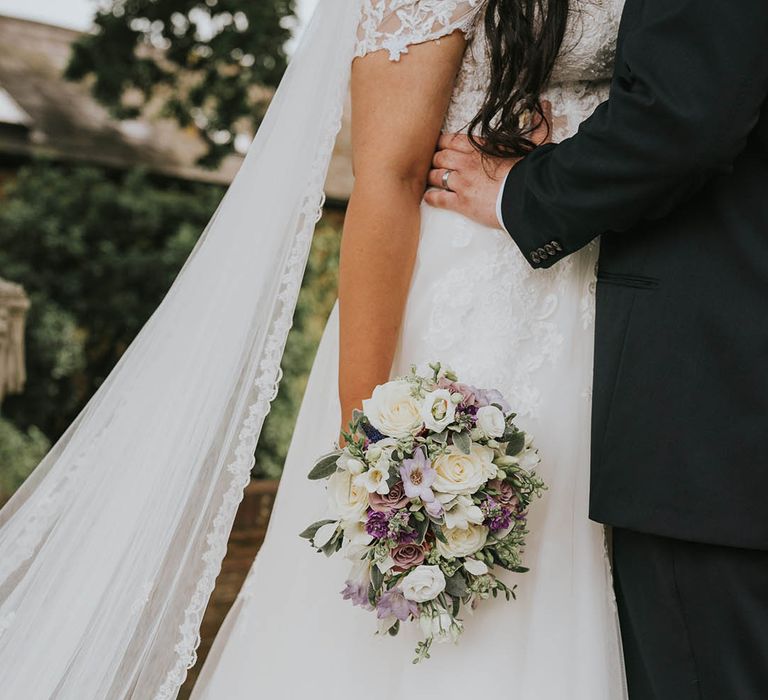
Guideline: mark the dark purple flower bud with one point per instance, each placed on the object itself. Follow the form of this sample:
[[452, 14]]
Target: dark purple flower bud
[[377, 524]]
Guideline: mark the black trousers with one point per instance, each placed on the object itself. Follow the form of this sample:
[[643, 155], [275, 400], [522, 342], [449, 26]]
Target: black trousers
[[694, 618]]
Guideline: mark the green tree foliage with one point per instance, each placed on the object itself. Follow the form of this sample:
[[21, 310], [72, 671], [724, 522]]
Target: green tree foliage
[[316, 299], [20, 453], [96, 254], [206, 61]]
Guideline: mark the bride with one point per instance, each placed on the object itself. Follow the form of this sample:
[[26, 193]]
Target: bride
[[109, 552], [419, 284]]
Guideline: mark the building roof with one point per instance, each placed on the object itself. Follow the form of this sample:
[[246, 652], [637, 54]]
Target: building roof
[[42, 113]]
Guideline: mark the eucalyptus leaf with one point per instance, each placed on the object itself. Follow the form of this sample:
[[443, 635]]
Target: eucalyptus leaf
[[456, 585], [515, 443], [438, 532], [442, 437], [324, 467], [377, 578], [463, 442], [310, 532], [421, 528]]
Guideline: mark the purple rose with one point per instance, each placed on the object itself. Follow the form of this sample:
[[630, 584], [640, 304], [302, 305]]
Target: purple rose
[[507, 495], [469, 392], [407, 556], [388, 502]]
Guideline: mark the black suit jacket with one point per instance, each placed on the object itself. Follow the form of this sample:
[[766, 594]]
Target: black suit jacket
[[673, 172]]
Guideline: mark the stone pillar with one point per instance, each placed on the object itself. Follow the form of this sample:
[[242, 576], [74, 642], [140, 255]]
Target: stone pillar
[[14, 305]]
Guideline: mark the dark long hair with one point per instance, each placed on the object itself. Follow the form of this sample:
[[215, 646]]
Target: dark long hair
[[523, 40]]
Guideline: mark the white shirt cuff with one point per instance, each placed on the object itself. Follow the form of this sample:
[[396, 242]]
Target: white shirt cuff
[[498, 204]]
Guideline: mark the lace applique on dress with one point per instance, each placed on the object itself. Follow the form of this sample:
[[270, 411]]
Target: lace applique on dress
[[396, 24]]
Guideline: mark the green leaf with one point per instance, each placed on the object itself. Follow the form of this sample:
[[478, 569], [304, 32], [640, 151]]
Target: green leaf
[[438, 532], [442, 437], [324, 467], [463, 442], [311, 531], [421, 528], [377, 578], [515, 443], [456, 585]]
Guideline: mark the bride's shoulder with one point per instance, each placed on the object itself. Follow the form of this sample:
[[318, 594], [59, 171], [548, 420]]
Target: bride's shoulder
[[396, 24]]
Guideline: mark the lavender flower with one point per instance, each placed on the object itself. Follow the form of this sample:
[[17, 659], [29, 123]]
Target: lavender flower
[[418, 477], [497, 516], [377, 524], [357, 592], [393, 603]]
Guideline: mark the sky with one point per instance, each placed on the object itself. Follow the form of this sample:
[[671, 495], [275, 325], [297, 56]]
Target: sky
[[77, 14]]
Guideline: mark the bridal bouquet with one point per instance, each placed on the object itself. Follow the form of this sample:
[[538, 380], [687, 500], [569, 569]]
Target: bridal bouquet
[[428, 496]]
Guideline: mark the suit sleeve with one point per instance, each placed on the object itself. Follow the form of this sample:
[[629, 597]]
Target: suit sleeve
[[688, 85]]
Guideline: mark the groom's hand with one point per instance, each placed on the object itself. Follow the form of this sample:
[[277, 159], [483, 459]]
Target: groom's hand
[[473, 182]]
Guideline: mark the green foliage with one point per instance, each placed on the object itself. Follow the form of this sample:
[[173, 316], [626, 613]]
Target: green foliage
[[20, 453], [96, 254], [316, 299], [206, 61]]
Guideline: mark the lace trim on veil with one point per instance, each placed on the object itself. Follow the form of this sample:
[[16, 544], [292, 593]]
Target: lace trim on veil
[[266, 388]]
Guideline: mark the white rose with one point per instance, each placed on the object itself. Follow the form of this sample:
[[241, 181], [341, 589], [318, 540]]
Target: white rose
[[490, 421], [459, 473], [438, 410], [346, 500], [393, 411], [423, 583], [462, 542]]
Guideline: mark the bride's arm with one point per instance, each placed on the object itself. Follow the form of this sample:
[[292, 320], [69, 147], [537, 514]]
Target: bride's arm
[[397, 111]]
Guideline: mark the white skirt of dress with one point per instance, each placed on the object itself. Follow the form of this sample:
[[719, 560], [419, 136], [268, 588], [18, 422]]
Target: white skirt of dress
[[476, 306]]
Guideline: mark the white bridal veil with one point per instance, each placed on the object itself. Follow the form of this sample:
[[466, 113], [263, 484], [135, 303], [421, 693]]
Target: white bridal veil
[[109, 551]]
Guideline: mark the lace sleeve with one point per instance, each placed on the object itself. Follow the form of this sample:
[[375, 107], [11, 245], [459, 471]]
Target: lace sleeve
[[396, 24]]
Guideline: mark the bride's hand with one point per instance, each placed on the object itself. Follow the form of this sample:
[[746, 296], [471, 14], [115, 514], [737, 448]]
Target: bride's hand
[[465, 182]]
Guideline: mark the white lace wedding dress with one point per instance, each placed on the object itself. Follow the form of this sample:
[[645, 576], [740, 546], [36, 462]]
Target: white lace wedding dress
[[476, 305]]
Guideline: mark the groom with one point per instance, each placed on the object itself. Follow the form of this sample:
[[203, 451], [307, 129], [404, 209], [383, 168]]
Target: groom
[[673, 172]]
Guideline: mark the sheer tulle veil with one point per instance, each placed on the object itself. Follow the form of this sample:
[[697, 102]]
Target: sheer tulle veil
[[109, 551]]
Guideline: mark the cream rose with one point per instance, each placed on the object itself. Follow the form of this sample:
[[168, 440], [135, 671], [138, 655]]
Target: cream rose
[[490, 421], [458, 473], [462, 542], [393, 411], [438, 410], [423, 583], [347, 501]]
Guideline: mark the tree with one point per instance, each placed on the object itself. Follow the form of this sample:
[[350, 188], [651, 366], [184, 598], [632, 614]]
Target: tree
[[96, 252], [206, 62]]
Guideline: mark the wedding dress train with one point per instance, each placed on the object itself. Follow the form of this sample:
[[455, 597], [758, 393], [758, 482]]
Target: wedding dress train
[[477, 306]]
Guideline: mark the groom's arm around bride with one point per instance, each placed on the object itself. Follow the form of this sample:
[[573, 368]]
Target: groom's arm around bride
[[672, 172]]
